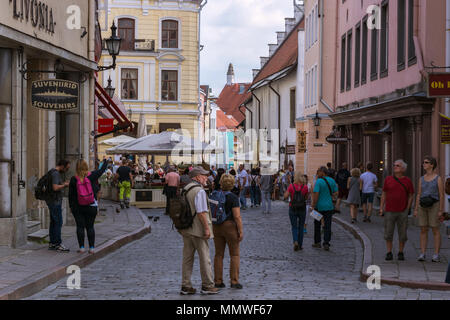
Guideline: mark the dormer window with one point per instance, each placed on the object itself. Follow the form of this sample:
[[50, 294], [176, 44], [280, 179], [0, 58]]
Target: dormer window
[[169, 36]]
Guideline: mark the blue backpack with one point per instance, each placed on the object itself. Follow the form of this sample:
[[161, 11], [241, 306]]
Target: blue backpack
[[217, 201]]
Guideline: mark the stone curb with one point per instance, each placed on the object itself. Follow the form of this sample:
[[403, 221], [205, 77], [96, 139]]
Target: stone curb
[[367, 261], [38, 282]]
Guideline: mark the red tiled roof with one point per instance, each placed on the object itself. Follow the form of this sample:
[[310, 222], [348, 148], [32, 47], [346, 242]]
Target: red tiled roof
[[230, 99], [224, 122], [285, 56]]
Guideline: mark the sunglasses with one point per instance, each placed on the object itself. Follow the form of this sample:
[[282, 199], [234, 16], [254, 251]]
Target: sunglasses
[[426, 162], [397, 165]]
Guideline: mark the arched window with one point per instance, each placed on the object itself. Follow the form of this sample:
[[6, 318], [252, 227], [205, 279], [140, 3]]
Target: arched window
[[126, 33], [169, 34]]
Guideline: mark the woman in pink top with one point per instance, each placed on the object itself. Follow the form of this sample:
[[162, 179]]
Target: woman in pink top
[[298, 192]]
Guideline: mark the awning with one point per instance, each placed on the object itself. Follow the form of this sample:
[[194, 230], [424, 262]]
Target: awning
[[113, 109]]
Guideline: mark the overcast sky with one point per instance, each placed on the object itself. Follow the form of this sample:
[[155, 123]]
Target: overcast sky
[[238, 31]]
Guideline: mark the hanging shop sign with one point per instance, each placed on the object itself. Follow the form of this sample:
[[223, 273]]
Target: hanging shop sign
[[105, 125], [54, 95], [445, 129], [290, 149], [439, 85], [301, 139]]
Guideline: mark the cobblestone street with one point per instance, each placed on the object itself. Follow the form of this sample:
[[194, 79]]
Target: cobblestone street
[[150, 268]]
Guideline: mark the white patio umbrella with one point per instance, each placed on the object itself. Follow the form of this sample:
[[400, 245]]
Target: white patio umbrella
[[117, 140]]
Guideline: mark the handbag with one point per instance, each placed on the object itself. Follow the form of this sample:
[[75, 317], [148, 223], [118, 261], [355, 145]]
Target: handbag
[[427, 202]]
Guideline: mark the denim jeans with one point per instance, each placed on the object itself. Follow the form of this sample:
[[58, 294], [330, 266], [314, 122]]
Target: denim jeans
[[242, 197], [56, 222], [266, 201], [297, 222], [328, 218], [447, 278], [254, 195]]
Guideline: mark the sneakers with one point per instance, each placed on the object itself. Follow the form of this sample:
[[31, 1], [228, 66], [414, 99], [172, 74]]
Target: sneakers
[[187, 291], [209, 290], [305, 231], [317, 245], [365, 219], [236, 286], [389, 256], [220, 286], [354, 221], [61, 248], [326, 247], [296, 246], [368, 220], [51, 246], [81, 250], [421, 258], [436, 258], [91, 250], [401, 256]]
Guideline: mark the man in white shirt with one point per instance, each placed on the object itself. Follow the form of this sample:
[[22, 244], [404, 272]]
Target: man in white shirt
[[244, 186], [369, 182]]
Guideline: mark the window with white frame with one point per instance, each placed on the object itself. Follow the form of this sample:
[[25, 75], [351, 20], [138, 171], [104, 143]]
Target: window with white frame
[[129, 84], [169, 34]]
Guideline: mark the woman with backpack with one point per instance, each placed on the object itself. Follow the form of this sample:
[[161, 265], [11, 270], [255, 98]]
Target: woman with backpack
[[229, 233], [83, 202], [254, 182], [298, 192]]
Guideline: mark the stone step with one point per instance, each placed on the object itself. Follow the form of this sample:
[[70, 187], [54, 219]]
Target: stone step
[[39, 235], [33, 226]]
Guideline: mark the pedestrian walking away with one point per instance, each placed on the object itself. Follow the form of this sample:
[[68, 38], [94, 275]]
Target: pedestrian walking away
[[196, 237], [254, 186], [298, 193], [396, 201], [172, 183], [354, 195], [125, 178], [83, 202], [55, 206], [341, 180], [244, 186], [429, 208], [228, 233], [266, 184], [369, 182], [325, 189]]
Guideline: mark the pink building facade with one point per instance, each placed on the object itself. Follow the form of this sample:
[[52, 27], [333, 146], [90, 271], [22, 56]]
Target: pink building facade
[[382, 105]]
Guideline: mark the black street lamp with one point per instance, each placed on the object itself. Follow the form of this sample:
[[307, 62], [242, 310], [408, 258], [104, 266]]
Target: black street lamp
[[282, 150], [113, 46], [110, 89], [317, 124]]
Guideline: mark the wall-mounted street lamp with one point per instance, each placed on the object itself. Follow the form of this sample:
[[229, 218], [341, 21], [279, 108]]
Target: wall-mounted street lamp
[[317, 124], [110, 89], [113, 46], [282, 150]]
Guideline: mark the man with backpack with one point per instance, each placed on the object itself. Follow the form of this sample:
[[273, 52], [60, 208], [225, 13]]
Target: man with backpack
[[196, 236], [298, 192], [54, 203], [124, 174], [325, 190]]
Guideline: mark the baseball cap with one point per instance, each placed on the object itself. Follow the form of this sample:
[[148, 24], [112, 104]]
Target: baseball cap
[[196, 171]]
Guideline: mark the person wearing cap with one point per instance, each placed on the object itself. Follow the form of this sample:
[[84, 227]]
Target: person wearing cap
[[196, 237]]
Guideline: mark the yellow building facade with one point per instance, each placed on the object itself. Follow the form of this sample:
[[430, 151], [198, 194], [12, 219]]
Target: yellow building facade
[[157, 71]]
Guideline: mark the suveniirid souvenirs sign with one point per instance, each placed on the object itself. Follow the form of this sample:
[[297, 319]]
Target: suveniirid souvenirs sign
[[445, 129], [39, 13], [54, 95]]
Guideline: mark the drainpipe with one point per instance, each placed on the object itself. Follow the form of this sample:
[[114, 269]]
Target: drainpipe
[[93, 111], [259, 120], [202, 4], [279, 120], [321, 5], [447, 102], [251, 114]]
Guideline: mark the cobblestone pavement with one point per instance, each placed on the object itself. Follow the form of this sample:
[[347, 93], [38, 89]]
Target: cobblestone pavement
[[150, 268]]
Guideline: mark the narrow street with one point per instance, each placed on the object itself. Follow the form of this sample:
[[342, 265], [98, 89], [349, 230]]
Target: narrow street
[[150, 268]]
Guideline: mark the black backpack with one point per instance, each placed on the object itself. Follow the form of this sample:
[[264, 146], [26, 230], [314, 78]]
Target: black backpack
[[44, 188], [180, 211], [298, 201], [253, 183]]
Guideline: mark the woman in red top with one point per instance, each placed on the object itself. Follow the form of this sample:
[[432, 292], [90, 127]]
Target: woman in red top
[[298, 192]]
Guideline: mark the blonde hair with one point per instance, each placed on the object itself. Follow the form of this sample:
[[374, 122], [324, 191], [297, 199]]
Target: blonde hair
[[299, 178], [356, 172], [82, 169], [227, 182]]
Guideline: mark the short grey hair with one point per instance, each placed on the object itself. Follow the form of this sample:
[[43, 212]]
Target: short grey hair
[[403, 163]]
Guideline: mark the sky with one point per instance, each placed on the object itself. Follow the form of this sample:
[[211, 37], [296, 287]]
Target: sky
[[238, 31]]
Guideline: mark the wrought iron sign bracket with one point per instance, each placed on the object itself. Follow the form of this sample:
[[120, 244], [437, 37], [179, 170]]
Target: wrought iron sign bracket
[[59, 69]]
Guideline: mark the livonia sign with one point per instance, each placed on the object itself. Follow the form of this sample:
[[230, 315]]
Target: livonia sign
[[54, 95], [40, 15]]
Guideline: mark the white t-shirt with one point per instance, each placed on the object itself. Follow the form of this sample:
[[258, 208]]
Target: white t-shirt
[[243, 175], [368, 179], [150, 171], [201, 204]]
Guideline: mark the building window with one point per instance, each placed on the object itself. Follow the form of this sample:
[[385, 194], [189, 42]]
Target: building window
[[364, 52], [412, 59], [374, 56], [293, 107], [169, 85], [169, 127], [343, 64], [126, 29], [401, 34], [384, 39], [306, 33], [129, 87], [357, 54], [317, 22], [307, 89], [349, 60], [169, 34]]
